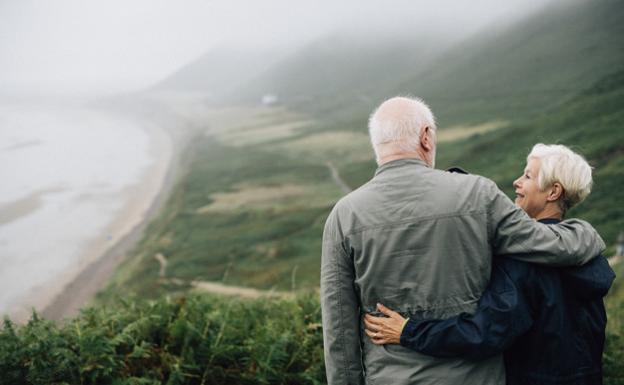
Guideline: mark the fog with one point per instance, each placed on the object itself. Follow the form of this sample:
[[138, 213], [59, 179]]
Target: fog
[[89, 46]]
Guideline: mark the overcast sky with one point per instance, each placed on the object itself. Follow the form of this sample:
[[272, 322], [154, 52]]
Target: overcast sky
[[123, 45]]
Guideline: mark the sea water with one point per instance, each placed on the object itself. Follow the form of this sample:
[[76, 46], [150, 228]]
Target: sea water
[[64, 174]]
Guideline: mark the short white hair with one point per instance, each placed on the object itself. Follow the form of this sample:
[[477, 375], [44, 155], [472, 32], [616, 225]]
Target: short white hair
[[560, 164], [399, 120]]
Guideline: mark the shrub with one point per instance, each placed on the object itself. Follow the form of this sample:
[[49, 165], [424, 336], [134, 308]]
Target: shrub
[[191, 340]]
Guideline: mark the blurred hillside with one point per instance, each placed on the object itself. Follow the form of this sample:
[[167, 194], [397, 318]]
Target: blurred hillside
[[219, 71]]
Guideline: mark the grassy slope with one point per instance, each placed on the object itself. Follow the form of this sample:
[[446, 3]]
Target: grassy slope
[[516, 71], [242, 237], [591, 122]]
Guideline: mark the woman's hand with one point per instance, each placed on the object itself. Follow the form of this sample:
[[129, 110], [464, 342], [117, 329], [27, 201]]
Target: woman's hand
[[384, 330]]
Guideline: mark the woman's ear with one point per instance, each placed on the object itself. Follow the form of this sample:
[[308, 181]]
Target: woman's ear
[[556, 192]]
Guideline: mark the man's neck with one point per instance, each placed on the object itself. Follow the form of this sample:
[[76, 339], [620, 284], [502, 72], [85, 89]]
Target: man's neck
[[390, 157]]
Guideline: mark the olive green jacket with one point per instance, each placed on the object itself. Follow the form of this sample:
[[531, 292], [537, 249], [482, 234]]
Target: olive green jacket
[[420, 241]]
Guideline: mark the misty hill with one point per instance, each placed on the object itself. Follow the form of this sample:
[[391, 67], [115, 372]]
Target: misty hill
[[219, 71], [338, 68], [341, 71], [530, 67], [503, 72]]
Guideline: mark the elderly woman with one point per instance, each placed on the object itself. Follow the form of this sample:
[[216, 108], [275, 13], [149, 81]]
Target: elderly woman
[[549, 322]]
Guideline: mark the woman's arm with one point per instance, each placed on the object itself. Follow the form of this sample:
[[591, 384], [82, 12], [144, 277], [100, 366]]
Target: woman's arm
[[503, 314]]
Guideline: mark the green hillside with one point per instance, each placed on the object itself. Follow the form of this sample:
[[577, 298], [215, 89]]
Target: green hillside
[[514, 72], [591, 122], [247, 213]]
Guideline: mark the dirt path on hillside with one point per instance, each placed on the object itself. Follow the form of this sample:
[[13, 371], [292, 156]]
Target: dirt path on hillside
[[337, 179], [238, 291]]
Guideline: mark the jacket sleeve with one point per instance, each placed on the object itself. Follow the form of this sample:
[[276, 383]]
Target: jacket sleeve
[[503, 314], [340, 311], [515, 235]]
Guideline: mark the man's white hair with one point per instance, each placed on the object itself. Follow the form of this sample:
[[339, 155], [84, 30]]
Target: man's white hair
[[560, 164], [399, 121]]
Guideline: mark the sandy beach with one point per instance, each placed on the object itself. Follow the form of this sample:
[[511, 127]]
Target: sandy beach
[[167, 125], [143, 201]]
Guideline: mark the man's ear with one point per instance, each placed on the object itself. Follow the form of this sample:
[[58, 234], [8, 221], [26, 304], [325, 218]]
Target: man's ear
[[426, 139], [556, 192]]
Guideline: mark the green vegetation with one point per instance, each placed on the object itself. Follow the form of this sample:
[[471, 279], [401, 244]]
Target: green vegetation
[[243, 216], [194, 340]]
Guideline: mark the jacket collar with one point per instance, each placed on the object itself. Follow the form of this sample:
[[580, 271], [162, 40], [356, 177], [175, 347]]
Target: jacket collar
[[400, 163], [549, 221]]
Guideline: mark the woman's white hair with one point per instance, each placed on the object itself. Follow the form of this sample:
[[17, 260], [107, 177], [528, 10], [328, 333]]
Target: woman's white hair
[[560, 164], [399, 121]]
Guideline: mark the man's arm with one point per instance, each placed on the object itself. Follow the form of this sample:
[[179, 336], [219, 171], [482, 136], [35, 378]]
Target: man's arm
[[340, 311], [513, 234], [503, 314]]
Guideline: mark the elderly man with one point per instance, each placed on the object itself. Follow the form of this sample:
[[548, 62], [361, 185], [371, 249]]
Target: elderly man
[[420, 241]]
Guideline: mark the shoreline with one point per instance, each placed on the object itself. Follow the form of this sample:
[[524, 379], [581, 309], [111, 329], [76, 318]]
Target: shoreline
[[80, 285]]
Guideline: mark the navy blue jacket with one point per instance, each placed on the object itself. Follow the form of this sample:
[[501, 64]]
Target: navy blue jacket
[[549, 322]]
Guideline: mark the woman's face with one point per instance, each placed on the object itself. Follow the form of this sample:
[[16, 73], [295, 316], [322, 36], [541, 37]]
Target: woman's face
[[528, 195]]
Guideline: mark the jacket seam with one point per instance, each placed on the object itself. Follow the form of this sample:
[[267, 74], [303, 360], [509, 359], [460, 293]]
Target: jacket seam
[[337, 282], [412, 219]]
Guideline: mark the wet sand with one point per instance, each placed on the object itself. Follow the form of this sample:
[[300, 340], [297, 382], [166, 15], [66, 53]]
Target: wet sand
[[22, 207]]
